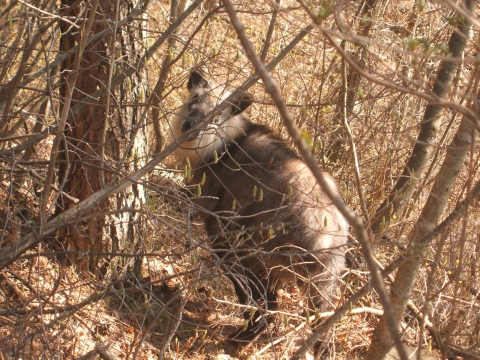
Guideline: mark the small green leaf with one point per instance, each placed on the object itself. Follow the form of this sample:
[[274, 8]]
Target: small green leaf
[[253, 310], [421, 5], [366, 20], [308, 139], [271, 233]]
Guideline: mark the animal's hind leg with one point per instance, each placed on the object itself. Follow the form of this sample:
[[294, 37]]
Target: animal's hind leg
[[259, 293]]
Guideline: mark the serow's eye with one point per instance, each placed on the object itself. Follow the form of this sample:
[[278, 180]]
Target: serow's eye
[[216, 118]]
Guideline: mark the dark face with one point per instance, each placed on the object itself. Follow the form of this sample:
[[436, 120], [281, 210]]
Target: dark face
[[195, 112], [204, 98]]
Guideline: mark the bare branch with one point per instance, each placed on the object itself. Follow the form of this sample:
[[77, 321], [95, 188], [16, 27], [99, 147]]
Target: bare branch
[[355, 221]]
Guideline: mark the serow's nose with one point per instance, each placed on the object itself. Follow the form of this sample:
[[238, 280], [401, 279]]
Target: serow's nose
[[188, 124]]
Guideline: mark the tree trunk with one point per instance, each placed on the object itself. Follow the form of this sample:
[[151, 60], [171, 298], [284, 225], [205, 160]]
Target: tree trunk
[[102, 137]]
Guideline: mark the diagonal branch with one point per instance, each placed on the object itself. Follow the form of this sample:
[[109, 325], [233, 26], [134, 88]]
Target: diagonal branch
[[272, 88]]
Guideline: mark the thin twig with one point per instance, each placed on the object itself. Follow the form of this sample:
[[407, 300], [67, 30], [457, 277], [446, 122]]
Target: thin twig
[[53, 16], [103, 135], [39, 177], [168, 339], [268, 38], [348, 131]]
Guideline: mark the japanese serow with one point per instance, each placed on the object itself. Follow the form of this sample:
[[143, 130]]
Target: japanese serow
[[270, 223]]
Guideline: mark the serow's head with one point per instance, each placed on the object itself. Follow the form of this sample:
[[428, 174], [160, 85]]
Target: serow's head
[[200, 108]]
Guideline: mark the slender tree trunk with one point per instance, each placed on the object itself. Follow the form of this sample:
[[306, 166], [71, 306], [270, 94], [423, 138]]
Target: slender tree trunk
[[404, 281], [160, 137], [424, 146], [351, 82]]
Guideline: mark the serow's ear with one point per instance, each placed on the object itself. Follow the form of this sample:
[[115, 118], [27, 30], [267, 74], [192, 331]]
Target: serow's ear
[[197, 80], [241, 104]]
